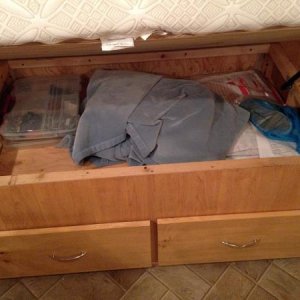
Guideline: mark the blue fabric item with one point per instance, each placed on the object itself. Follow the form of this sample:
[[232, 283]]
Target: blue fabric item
[[180, 121], [111, 97], [147, 119], [274, 121]]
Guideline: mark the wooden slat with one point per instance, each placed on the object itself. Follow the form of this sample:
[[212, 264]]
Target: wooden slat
[[153, 44], [139, 57], [199, 239], [282, 62], [291, 48], [163, 169], [151, 192], [107, 246], [183, 68], [287, 70]]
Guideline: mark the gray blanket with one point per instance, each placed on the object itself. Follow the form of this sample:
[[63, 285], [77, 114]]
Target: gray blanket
[[146, 119]]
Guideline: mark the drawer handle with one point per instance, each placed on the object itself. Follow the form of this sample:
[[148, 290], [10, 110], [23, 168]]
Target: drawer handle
[[68, 258], [250, 244]]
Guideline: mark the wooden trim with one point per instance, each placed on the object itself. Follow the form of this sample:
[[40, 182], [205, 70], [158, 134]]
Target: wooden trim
[[247, 216], [82, 228], [93, 47], [180, 68], [140, 57], [163, 169], [150, 192]]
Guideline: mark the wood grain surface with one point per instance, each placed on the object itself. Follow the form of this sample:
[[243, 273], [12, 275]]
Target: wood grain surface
[[106, 246], [201, 239]]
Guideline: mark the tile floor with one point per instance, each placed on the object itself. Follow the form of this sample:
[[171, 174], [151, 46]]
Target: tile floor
[[255, 280]]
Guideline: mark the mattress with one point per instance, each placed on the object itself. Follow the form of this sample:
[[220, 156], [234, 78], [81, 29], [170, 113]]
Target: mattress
[[52, 21]]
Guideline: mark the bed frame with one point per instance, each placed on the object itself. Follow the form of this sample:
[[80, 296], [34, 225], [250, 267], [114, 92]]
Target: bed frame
[[56, 217]]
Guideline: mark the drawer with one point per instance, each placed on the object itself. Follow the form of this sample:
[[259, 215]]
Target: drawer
[[75, 249], [228, 237]]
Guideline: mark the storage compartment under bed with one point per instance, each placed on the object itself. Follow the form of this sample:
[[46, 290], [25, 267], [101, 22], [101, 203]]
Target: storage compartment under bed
[[42, 181], [43, 192]]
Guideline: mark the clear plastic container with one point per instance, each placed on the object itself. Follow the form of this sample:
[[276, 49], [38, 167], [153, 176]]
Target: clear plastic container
[[45, 107], [233, 87]]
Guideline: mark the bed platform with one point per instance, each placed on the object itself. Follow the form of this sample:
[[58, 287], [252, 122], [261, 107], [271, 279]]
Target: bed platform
[[57, 217]]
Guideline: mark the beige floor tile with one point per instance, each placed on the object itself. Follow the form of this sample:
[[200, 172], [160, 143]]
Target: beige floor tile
[[210, 272], [253, 269], [181, 281], [146, 287], [232, 285], [86, 286], [5, 284], [290, 265], [39, 285], [260, 294], [126, 278], [169, 296], [18, 292], [280, 284]]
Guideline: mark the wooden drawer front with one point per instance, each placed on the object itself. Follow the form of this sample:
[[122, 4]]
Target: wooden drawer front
[[248, 236], [75, 249]]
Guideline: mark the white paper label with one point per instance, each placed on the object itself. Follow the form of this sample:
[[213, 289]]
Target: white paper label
[[110, 45], [145, 36]]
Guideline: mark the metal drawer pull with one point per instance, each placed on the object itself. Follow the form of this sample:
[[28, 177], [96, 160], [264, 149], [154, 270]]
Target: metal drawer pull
[[68, 258], [232, 245]]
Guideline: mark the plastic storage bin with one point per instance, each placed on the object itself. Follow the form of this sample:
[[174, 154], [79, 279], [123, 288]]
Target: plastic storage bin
[[44, 108]]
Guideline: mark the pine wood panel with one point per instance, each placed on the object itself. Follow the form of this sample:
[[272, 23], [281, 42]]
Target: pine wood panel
[[138, 57], [83, 47], [287, 70], [27, 160], [199, 239], [107, 246], [283, 63], [292, 50], [151, 192]]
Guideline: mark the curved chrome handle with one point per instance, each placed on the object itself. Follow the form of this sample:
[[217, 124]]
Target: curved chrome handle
[[247, 245], [67, 258]]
